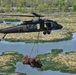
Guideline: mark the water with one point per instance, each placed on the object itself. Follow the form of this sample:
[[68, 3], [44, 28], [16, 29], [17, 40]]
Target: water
[[25, 49], [14, 22], [32, 71]]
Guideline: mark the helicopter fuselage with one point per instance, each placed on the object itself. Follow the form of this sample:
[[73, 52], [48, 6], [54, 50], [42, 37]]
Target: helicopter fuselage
[[32, 26]]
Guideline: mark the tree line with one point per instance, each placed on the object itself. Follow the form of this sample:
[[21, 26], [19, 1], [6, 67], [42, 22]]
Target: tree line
[[39, 5]]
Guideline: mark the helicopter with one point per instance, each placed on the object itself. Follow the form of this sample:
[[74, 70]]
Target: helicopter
[[38, 25]]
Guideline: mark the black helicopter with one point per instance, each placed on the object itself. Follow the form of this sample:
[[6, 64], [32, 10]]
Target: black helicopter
[[44, 25]]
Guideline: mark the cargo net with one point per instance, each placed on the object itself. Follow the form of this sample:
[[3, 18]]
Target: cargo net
[[33, 62]]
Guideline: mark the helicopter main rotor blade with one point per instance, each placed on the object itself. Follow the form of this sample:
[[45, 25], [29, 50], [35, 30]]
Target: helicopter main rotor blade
[[34, 15], [19, 15]]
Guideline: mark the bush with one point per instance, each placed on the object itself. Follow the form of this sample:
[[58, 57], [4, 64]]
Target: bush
[[56, 51]]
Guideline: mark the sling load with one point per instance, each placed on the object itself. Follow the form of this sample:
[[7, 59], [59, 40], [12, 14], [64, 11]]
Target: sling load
[[33, 62]]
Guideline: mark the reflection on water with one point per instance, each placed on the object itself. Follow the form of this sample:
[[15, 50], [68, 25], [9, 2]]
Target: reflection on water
[[40, 48]]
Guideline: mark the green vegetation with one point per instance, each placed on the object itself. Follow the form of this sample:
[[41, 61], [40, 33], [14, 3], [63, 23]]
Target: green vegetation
[[56, 51], [58, 61], [8, 61], [37, 5]]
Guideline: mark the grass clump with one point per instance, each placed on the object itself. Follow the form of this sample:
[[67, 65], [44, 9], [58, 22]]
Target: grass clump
[[58, 61], [8, 61]]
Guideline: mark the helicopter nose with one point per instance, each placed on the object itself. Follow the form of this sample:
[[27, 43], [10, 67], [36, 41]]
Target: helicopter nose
[[60, 26]]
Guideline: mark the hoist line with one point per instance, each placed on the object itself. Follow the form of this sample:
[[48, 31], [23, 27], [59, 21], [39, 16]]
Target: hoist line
[[35, 43]]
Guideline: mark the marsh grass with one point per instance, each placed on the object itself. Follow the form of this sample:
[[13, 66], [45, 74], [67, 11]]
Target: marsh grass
[[8, 61], [59, 62], [33, 37]]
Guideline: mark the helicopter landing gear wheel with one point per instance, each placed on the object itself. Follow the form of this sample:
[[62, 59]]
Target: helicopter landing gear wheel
[[44, 32], [48, 32]]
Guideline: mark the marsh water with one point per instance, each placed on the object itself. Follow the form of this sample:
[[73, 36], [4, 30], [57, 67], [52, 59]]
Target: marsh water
[[40, 48], [11, 22]]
